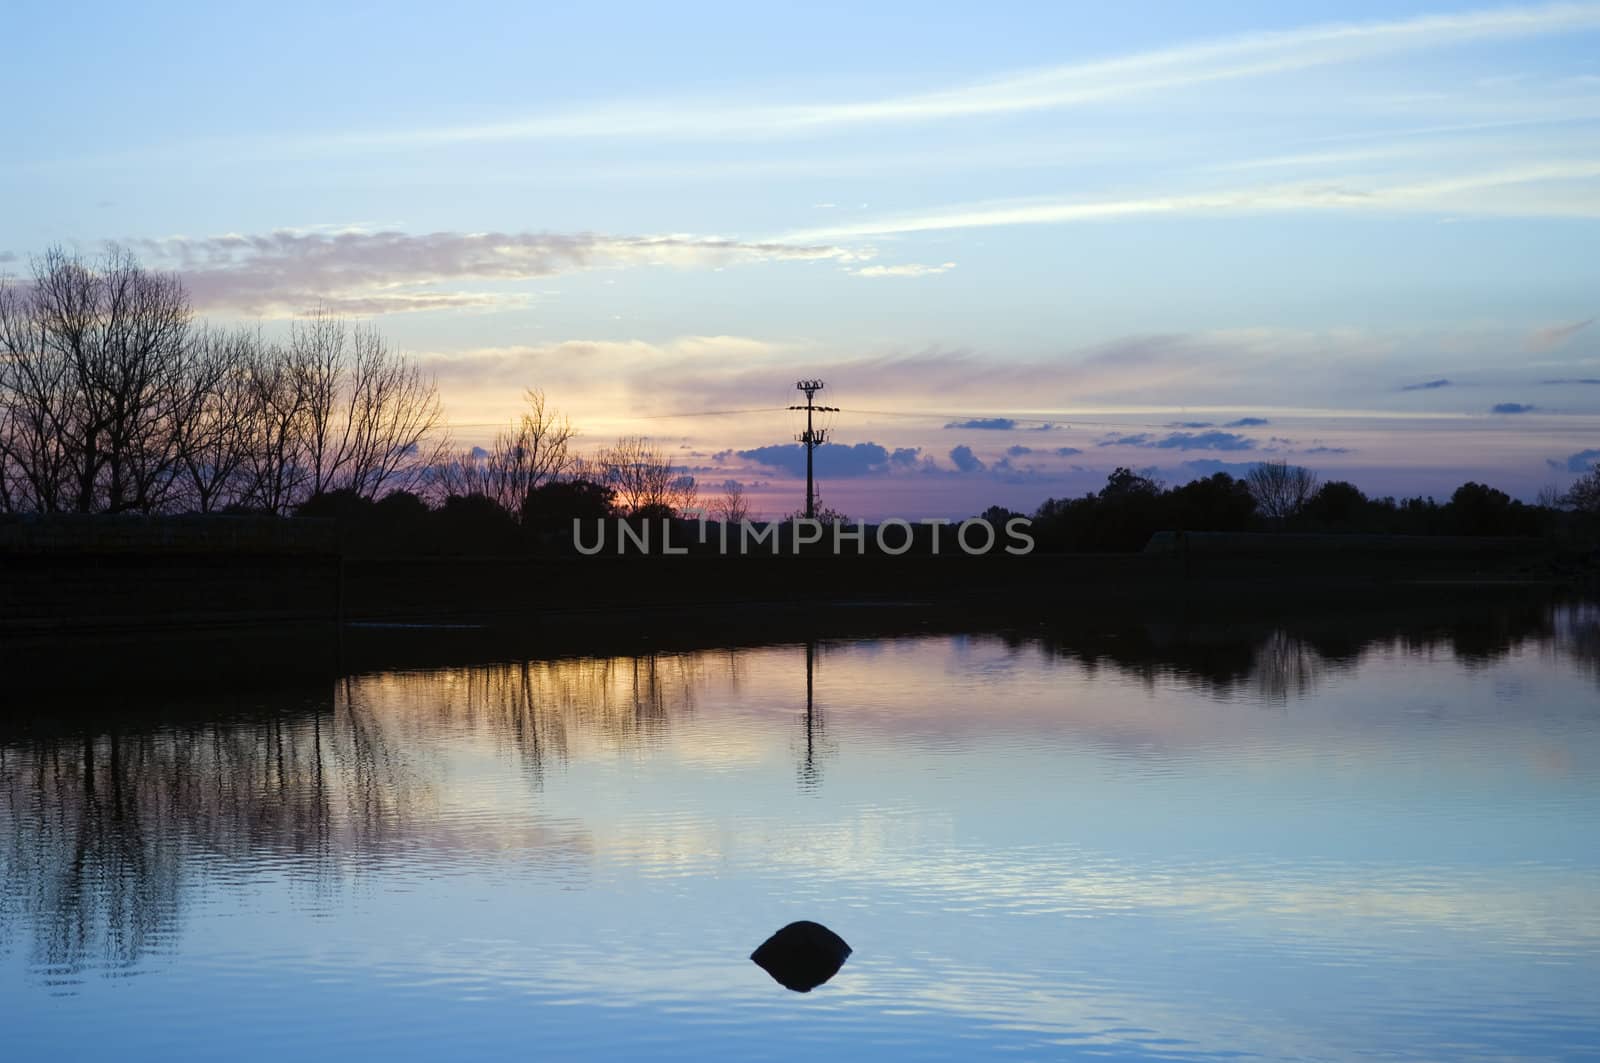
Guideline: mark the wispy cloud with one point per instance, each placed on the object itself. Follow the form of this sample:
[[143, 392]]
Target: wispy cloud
[[1134, 385], [1553, 336], [1072, 85], [381, 272], [1501, 192], [991, 424], [1205, 441], [1427, 385], [911, 269], [1181, 441], [1511, 407]]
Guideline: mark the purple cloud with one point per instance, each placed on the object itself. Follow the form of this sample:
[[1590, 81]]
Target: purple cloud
[[832, 459], [965, 460], [1183, 441], [1580, 463], [379, 272], [1205, 441], [988, 424], [905, 457]]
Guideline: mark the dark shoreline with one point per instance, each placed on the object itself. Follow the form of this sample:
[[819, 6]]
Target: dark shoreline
[[1196, 626], [163, 605], [70, 576], [101, 593]]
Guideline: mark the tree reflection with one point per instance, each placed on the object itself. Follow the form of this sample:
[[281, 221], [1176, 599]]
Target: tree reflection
[[99, 827], [1278, 662], [105, 825], [548, 709], [108, 824], [1286, 667], [1577, 637]]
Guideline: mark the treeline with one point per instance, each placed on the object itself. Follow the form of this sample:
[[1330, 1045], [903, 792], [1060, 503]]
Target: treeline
[[116, 399], [1275, 496]]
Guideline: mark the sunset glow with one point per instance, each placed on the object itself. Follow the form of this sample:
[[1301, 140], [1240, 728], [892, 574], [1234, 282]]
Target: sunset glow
[[1021, 251]]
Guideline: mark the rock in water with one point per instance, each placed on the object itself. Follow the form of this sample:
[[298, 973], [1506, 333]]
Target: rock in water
[[802, 955]]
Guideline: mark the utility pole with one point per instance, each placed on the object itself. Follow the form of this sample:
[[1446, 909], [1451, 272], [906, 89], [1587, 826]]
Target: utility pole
[[811, 437]]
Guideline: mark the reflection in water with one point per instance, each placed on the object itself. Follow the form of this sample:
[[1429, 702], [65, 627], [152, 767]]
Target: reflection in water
[[1575, 636], [546, 709], [1287, 659], [99, 825], [816, 738], [566, 777]]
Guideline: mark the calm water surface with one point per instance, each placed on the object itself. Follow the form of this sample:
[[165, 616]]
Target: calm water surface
[[1265, 841]]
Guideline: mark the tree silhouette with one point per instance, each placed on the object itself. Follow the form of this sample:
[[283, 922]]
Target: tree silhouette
[[644, 479], [1280, 490]]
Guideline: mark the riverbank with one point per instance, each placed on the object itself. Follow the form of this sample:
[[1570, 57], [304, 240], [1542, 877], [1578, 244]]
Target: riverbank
[[77, 577], [224, 668]]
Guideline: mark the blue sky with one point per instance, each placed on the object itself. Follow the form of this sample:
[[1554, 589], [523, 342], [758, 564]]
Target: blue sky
[[1116, 221]]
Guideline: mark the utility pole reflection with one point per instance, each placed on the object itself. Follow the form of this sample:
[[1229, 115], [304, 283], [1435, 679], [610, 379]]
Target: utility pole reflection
[[809, 775]]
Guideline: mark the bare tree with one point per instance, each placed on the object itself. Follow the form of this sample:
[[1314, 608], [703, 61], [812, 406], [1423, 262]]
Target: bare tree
[[112, 401], [216, 446], [644, 479], [534, 450], [36, 408], [318, 355], [731, 507], [394, 417], [336, 409], [100, 377], [1584, 495], [272, 468], [1281, 490], [368, 420]]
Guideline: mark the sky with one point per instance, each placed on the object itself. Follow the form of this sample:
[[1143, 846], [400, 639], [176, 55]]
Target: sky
[[1023, 244]]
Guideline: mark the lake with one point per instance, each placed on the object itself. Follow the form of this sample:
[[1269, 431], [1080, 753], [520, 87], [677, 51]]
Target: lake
[[1285, 837]]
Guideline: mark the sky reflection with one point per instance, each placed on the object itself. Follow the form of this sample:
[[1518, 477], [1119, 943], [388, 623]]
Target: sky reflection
[[1149, 843]]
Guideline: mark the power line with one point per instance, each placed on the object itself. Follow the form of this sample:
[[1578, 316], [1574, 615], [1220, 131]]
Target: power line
[[709, 413], [633, 417], [1057, 422]]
